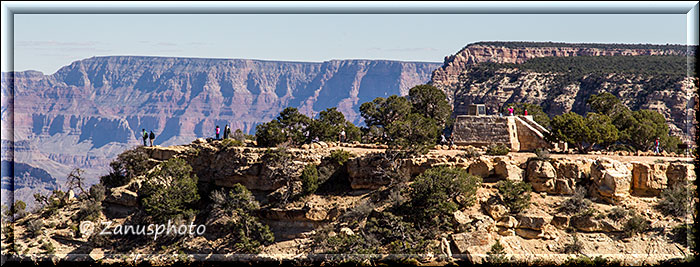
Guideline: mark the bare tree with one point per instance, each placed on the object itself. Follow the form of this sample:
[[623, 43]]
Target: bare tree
[[76, 180]]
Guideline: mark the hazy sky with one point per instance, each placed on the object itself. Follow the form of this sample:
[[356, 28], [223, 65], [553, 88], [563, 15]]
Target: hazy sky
[[47, 42]]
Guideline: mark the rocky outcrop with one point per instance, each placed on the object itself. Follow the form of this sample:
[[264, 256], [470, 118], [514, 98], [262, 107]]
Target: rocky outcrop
[[680, 174], [648, 179], [507, 169], [508, 85], [570, 173], [611, 180], [541, 175], [447, 76]]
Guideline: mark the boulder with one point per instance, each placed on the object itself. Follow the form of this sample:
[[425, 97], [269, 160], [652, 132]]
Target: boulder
[[507, 222], [528, 233], [482, 167], [560, 221], [588, 223], [584, 223], [305, 146], [534, 221], [494, 208], [507, 169], [568, 174], [347, 231], [541, 175], [472, 245], [648, 179], [164, 153], [549, 232], [122, 196], [681, 174], [460, 218], [505, 231], [610, 180], [70, 197]]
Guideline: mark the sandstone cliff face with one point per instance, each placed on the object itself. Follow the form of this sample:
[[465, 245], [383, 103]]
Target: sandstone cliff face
[[515, 85], [675, 103], [539, 233], [447, 76], [89, 111]]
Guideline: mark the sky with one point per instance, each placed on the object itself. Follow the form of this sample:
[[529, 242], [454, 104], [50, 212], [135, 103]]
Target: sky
[[46, 42]]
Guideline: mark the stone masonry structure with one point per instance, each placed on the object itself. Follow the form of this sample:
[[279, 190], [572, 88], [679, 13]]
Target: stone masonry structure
[[519, 133]]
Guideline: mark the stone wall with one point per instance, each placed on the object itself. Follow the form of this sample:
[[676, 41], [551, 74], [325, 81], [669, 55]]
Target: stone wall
[[530, 134], [486, 130]]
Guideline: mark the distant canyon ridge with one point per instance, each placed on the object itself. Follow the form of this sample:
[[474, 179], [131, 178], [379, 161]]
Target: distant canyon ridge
[[91, 110]]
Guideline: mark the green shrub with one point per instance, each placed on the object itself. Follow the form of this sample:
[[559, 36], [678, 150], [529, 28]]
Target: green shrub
[[515, 195], [309, 179], [229, 143], [15, 210], [339, 157], [575, 246], [497, 150], [617, 213], [97, 192], [434, 194], [675, 201], [289, 126], [89, 211], [129, 164], [50, 204], [396, 234], [48, 247], [471, 152], [246, 234], [577, 203], [497, 254], [170, 192], [344, 244], [34, 227], [635, 224], [587, 261]]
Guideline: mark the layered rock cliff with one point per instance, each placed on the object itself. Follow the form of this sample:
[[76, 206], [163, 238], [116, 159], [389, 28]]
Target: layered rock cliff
[[465, 83], [617, 187], [88, 111], [447, 76]]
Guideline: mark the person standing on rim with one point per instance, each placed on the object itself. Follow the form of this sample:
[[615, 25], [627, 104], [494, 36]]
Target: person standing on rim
[[226, 131], [152, 136], [217, 132], [510, 111], [656, 146], [144, 136]]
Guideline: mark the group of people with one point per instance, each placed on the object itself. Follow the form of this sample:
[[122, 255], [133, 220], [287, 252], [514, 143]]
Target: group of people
[[227, 132], [511, 111], [444, 140], [145, 136]]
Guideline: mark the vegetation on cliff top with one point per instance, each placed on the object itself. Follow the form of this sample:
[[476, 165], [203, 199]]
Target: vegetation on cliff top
[[673, 47]]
